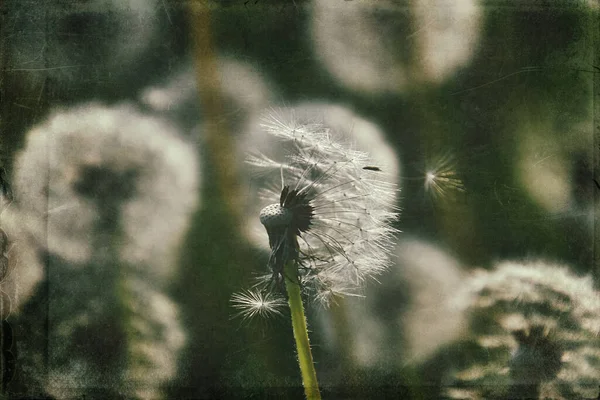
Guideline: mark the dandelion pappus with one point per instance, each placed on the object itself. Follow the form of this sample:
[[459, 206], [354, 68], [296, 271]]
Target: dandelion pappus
[[441, 178], [333, 218], [251, 304]]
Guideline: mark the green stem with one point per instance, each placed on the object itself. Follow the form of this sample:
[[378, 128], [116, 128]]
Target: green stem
[[307, 368]]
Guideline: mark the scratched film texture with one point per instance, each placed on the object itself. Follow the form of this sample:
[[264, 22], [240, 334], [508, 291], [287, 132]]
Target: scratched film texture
[[129, 217]]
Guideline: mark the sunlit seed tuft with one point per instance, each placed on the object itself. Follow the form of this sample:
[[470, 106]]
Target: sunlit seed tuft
[[335, 213], [441, 179], [252, 304]]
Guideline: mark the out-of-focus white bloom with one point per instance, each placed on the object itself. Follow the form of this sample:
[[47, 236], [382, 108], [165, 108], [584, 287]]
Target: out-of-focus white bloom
[[245, 91], [179, 91], [446, 33], [362, 134], [534, 329], [432, 277], [380, 47], [558, 170], [545, 171], [333, 209], [104, 196], [406, 317], [159, 196], [350, 42], [556, 135]]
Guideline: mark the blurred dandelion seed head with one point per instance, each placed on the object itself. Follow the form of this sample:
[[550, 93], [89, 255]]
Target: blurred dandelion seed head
[[406, 317], [244, 89], [334, 217], [92, 157], [534, 324], [358, 44], [557, 168]]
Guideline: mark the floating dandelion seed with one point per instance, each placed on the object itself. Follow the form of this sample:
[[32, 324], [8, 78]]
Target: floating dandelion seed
[[334, 214], [252, 303], [441, 179]]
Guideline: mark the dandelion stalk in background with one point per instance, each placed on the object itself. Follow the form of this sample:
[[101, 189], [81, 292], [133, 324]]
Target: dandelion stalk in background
[[331, 229], [217, 136]]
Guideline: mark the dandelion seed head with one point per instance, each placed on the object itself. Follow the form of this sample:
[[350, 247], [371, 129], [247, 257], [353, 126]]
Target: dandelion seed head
[[334, 217], [274, 216], [155, 337], [254, 303], [558, 169], [272, 157], [530, 324], [358, 44], [89, 161]]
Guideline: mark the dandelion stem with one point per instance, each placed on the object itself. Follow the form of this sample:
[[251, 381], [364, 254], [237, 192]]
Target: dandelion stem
[[307, 367]]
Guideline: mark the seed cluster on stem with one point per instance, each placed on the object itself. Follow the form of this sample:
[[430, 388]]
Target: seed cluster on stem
[[331, 229]]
